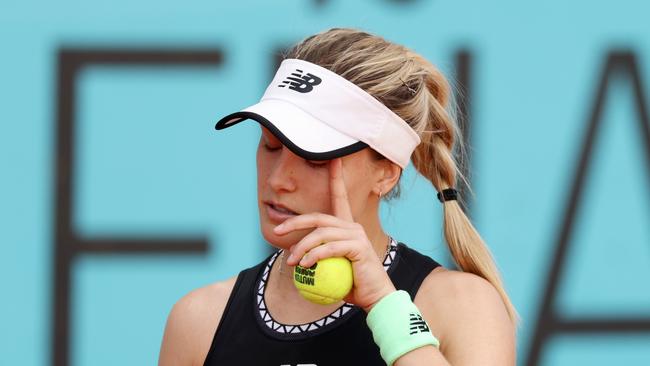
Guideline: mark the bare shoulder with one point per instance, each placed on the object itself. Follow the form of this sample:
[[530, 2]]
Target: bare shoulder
[[448, 289], [465, 311], [192, 322]]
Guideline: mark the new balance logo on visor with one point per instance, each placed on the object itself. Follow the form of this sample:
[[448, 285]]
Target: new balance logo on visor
[[301, 83], [418, 325]]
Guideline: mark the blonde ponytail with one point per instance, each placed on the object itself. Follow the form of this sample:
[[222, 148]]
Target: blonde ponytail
[[435, 160], [470, 252], [416, 91]]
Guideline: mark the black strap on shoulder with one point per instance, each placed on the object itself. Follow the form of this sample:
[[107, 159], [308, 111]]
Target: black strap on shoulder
[[413, 268], [235, 307]]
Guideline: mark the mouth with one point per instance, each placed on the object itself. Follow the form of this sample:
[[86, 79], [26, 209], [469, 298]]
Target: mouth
[[278, 212], [280, 208]]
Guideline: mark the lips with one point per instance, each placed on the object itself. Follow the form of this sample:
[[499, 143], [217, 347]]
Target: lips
[[280, 207], [277, 212], [282, 210]]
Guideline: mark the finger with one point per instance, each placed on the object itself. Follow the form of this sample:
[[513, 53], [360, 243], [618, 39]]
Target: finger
[[343, 248], [338, 192], [315, 239], [305, 221]]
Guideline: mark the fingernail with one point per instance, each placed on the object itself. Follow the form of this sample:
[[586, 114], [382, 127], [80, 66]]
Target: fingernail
[[303, 260], [279, 227]]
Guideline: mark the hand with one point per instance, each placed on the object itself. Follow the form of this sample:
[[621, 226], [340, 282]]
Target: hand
[[342, 237]]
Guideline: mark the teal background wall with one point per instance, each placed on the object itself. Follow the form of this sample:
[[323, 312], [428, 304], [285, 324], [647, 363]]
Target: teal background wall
[[147, 162]]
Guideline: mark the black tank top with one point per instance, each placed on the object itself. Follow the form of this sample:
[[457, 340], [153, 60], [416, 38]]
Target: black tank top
[[248, 335]]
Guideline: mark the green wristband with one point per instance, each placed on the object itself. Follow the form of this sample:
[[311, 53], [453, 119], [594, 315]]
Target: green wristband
[[398, 327]]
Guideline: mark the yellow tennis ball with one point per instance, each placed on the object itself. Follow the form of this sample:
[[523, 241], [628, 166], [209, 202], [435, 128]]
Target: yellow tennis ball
[[329, 280]]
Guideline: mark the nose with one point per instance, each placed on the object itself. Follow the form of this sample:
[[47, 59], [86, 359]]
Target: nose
[[281, 177]]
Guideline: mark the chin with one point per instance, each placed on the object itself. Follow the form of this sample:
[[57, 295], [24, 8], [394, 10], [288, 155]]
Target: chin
[[282, 241]]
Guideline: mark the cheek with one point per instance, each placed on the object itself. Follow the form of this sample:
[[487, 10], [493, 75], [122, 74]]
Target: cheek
[[358, 189], [261, 167], [356, 198], [317, 193]]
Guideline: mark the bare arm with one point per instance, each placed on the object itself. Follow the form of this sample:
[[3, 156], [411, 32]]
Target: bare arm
[[191, 324], [467, 315]]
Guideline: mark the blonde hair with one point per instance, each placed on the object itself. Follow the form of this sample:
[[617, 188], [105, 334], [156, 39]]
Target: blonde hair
[[418, 92]]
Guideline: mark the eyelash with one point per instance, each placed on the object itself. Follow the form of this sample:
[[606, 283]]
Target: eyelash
[[316, 165], [309, 162], [267, 147]]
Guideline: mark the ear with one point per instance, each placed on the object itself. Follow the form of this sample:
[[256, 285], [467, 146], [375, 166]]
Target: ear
[[388, 174]]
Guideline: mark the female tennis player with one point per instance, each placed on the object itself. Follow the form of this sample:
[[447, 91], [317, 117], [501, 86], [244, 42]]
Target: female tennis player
[[344, 115]]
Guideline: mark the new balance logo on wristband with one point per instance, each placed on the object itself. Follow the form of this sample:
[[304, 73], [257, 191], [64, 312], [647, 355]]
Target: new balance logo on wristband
[[301, 83], [418, 325]]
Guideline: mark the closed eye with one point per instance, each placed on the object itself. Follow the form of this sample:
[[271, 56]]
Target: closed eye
[[272, 148], [316, 164]]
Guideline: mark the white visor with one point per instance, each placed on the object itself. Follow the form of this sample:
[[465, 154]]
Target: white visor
[[320, 115]]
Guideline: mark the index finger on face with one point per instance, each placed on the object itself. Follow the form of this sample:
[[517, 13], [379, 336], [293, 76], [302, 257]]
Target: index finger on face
[[310, 220], [338, 192]]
